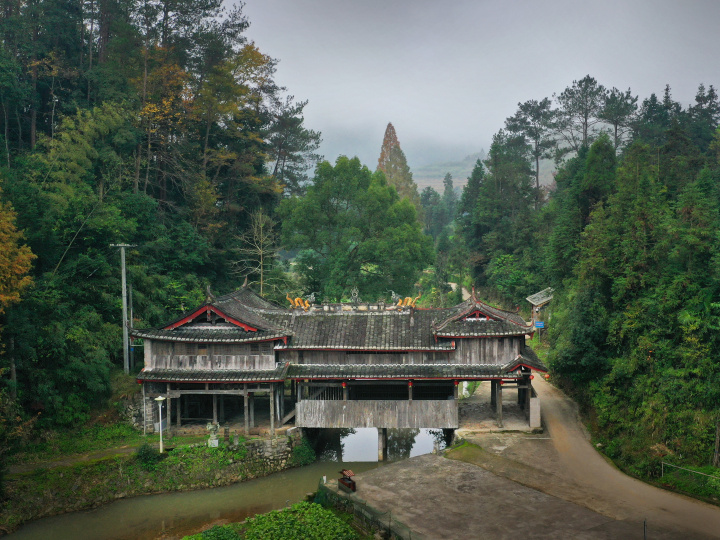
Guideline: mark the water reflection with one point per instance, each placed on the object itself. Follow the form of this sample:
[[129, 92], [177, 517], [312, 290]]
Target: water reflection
[[361, 444], [173, 515]]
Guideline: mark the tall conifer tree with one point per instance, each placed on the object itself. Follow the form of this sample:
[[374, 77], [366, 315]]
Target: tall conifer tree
[[393, 163]]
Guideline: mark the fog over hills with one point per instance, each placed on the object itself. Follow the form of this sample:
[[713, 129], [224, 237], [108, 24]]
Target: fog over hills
[[432, 175]]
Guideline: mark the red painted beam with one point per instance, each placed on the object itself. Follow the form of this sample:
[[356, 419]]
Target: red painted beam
[[208, 309]]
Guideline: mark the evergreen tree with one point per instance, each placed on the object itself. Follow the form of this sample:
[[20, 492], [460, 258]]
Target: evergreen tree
[[618, 110], [393, 163], [579, 108], [449, 200], [535, 121], [432, 211]]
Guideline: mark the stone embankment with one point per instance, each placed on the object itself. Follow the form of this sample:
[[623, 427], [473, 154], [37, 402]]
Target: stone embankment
[[46, 492]]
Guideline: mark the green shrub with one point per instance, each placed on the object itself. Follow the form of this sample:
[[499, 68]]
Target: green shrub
[[301, 520], [216, 533], [148, 457], [303, 454]]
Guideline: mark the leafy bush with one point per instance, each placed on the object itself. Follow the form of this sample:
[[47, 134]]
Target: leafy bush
[[216, 533], [303, 454], [300, 521], [148, 457]]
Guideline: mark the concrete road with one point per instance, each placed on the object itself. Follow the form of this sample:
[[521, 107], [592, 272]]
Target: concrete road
[[543, 485], [612, 492]]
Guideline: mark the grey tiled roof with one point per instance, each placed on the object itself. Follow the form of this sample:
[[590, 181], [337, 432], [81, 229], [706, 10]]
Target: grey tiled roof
[[364, 330], [343, 328], [481, 328], [216, 375], [528, 358], [202, 334], [396, 371], [499, 322], [542, 297]]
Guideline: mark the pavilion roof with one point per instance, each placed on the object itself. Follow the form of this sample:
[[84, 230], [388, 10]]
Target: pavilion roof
[[243, 316], [278, 374]]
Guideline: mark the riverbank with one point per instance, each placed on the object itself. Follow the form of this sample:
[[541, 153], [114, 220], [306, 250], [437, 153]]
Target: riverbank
[[46, 492]]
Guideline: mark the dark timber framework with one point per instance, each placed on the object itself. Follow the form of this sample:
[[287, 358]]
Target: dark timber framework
[[345, 365]]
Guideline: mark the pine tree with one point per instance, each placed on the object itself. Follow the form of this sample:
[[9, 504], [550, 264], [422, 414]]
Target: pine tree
[[393, 163], [390, 141]]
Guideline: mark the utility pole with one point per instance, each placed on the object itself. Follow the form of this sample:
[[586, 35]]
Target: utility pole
[[132, 349], [126, 345]]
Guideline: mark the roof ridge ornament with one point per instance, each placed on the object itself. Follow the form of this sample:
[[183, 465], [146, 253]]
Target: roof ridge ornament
[[395, 297], [210, 298]]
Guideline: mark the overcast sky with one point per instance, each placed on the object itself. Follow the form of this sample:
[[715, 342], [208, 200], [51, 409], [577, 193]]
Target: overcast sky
[[448, 73]]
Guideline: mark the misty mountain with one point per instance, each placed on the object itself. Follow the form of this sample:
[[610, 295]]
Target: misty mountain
[[433, 174]]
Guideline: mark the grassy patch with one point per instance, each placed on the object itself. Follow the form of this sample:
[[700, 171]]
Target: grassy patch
[[467, 452], [54, 444], [94, 438], [705, 485]]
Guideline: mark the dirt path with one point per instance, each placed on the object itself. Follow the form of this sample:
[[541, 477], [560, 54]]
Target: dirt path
[[563, 463]]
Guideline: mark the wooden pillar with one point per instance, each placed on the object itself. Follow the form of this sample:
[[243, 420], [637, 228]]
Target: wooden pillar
[[179, 399], [169, 406], [382, 444], [528, 395], [498, 388], [278, 402], [215, 409], [455, 390], [222, 408], [272, 410], [252, 409], [345, 391], [493, 403], [298, 391], [281, 413], [410, 385], [246, 411]]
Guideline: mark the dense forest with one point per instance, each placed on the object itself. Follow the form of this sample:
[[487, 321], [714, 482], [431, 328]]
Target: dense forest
[[628, 238], [159, 125]]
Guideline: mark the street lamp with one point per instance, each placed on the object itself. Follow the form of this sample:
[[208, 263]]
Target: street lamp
[[160, 399]]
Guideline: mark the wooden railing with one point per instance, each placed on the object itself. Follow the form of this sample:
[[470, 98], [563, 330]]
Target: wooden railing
[[378, 414]]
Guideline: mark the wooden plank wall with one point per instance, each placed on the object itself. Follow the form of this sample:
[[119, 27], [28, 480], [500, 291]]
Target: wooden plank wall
[[379, 414], [172, 355], [468, 351], [486, 350]]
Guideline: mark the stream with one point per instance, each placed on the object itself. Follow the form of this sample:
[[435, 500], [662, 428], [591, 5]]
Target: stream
[[173, 515]]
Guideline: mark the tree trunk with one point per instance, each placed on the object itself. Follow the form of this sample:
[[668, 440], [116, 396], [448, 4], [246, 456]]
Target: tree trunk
[[13, 370], [33, 107], [90, 46], [136, 178], [5, 124], [104, 24], [537, 182]]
